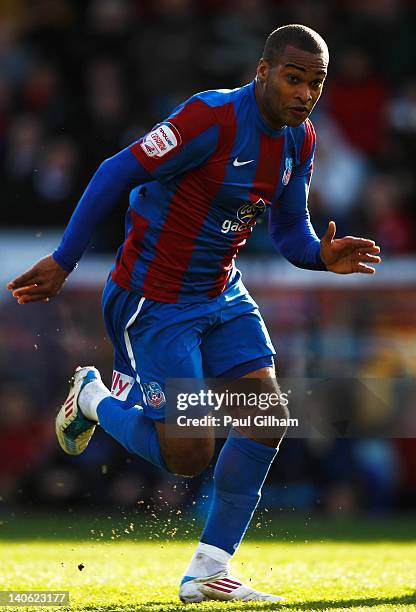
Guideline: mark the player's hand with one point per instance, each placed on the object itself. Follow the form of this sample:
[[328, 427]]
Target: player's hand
[[348, 254], [41, 282]]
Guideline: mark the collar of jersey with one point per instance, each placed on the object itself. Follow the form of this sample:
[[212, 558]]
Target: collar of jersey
[[265, 127]]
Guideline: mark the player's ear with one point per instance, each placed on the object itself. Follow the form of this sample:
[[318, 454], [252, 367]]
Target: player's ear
[[263, 70]]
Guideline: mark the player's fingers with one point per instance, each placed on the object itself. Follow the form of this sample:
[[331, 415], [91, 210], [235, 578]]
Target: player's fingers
[[39, 293], [375, 250], [32, 295], [372, 250], [362, 243], [330, 232], [32, 298], [364, 269], [370, 258], [28, 278], [27, 288]]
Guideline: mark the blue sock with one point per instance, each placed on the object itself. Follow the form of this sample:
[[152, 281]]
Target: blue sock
[[129, 426], [241, 469]]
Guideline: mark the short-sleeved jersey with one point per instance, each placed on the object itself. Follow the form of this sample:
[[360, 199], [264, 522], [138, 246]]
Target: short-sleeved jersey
[[216, 167]]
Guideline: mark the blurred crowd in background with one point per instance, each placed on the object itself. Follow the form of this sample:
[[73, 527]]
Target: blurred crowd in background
[[81, 80]]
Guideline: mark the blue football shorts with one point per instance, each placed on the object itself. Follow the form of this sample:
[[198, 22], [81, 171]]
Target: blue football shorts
[[155, 341]]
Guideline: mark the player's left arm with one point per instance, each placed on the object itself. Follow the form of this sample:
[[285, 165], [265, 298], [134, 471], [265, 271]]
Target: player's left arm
[[349, 254], [293, 235]]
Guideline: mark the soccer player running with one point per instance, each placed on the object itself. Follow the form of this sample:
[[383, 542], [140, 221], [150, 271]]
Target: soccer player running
[[174, 303]]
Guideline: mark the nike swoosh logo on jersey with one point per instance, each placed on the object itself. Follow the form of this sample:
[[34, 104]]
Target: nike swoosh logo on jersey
[[236, 163]]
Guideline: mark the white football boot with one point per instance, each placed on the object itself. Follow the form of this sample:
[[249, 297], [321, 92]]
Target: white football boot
[[222, 587], [73, 429]]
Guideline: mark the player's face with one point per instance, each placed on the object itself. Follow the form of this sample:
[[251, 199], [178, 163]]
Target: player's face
[[287, 91]]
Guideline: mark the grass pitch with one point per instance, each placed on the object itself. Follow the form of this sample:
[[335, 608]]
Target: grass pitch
[[317, 565]]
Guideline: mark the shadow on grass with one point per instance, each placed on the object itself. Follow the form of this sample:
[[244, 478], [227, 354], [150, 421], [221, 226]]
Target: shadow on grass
[[350, 604], [341, 604]]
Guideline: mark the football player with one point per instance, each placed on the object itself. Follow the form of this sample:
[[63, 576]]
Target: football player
[[175, 305]]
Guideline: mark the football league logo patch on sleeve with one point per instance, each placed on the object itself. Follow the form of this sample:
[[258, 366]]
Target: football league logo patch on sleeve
[[154, 394], [161, 140], [288, 170]]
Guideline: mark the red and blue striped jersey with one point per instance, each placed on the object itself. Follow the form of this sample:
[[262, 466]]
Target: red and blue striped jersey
[[216, 166]]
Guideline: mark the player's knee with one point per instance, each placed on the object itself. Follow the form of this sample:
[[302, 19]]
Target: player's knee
[[281, 411], [276, 401], [275, 415], [278, 418], [191, 458]]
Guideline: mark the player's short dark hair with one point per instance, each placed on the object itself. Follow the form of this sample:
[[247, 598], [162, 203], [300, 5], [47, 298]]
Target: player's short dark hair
[[296, 35]]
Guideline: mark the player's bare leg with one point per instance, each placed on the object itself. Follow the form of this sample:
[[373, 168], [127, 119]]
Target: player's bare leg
[[269, 385], [190, 456], [186, 456]]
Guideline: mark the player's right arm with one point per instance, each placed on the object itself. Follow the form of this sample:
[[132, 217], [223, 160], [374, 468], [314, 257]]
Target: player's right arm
[[185, 140]]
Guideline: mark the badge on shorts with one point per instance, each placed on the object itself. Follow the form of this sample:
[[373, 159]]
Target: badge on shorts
[[154, 394]]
